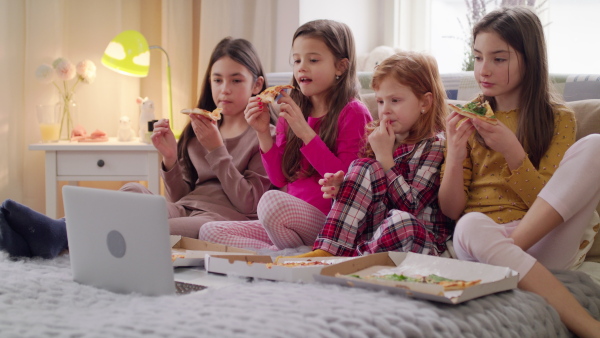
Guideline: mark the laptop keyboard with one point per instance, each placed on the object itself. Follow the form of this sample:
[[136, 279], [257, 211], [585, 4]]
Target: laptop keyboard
[[183, 288]]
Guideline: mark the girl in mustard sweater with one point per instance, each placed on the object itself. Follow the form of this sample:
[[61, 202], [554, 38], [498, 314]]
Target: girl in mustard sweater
[[521, 189]]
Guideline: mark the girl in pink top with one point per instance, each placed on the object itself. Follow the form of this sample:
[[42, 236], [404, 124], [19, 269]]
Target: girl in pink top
[[319, 131]]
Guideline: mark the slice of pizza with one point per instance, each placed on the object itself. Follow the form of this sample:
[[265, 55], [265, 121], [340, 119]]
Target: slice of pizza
[[215, 115], [268, 95], [479, 108], [446, 283], [294, 264]]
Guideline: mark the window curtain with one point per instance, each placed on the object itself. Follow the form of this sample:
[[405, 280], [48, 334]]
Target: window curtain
[[268, 24]]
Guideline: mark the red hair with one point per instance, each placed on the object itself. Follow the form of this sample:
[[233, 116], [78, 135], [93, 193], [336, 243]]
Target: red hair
[[419, 72]]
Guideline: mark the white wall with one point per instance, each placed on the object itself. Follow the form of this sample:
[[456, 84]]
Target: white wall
[[572, 36], [361, 16]]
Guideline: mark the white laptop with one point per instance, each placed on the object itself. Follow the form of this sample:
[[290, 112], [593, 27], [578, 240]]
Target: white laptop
[[119, 241]]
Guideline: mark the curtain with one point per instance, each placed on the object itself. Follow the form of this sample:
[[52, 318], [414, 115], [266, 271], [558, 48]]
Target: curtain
[[261, 22]]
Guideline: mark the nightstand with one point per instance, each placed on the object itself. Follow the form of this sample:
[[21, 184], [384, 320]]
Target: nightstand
[[97, 161]]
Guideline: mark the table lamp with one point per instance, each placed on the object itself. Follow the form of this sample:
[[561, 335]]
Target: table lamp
[[128, 53]]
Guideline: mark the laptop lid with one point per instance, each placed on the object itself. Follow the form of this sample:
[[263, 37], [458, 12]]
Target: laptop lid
[[118, 240]]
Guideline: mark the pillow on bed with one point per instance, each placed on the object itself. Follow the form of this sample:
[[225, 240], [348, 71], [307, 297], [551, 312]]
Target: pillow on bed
[[587, 113]]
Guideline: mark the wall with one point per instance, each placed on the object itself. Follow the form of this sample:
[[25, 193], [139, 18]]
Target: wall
[[364, 17]]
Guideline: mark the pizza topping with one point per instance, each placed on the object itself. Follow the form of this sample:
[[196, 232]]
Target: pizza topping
[[447, 283], [478, 108], [474, 107]]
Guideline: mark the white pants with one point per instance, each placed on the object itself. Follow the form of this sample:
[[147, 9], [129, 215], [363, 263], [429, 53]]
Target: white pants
[[573, 191]]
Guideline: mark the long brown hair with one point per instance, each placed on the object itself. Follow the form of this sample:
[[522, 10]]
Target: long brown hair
[[338, 38], [240, 51], [420, 72], [522, 30]]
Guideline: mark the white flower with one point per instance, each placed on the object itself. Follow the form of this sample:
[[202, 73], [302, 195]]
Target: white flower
[[86, 70], [65, 70], [44, 73]]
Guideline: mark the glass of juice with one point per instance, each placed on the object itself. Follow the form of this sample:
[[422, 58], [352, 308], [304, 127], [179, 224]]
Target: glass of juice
[[49, 121]]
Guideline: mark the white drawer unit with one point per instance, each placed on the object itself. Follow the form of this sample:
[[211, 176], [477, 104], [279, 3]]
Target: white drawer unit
[[99, 161]]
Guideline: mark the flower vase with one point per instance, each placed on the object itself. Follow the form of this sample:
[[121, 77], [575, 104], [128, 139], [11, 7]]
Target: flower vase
[[67, 110]]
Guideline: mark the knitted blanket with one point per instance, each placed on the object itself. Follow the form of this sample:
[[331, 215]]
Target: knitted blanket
[[39, 299]]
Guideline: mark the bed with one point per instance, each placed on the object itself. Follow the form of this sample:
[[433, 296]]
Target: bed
[[38, 298]]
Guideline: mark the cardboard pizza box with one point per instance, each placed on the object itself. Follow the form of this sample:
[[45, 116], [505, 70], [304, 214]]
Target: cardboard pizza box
[[263, 267], [359, 273], [187, 251]]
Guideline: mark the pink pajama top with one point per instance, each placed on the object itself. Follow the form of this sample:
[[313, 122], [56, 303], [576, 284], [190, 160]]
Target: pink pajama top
[[351, 129]]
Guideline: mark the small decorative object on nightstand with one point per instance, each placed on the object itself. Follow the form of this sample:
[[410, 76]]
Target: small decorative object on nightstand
[[146, 114], [125, 132], [49, 120]]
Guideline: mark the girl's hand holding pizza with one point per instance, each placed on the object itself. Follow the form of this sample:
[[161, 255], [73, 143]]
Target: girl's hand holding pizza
[[456, 138], [503, 140], [257, 115], [295, 119], [330, 184], [164, 141], [207, 132]]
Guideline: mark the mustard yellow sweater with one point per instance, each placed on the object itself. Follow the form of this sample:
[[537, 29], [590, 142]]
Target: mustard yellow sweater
[[505, 196]]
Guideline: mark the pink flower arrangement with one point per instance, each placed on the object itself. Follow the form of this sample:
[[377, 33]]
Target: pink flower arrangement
[[64, 71]]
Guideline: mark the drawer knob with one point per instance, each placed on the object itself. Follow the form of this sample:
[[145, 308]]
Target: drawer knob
[[100, 163]]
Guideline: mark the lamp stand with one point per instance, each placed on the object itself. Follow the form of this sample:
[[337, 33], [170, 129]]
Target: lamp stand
[[177, 133]]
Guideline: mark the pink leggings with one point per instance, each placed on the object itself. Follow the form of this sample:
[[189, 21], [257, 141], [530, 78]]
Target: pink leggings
[[284, 221], [573, 191]]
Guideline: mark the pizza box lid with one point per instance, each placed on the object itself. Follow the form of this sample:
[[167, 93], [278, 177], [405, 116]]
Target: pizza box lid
[[187, 251], [262, 267], [493, 278]]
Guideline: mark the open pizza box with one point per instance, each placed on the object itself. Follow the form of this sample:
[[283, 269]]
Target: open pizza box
[[360, 272], [263, 267], [187, 251]]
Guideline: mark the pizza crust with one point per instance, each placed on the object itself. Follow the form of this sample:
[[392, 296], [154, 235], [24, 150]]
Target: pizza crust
[[294, 264]]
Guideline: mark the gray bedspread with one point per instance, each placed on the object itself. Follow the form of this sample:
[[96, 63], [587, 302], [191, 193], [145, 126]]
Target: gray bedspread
[[39, 299]]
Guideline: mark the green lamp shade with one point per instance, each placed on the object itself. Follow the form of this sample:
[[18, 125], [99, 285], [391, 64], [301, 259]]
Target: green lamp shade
[[128, 53]]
